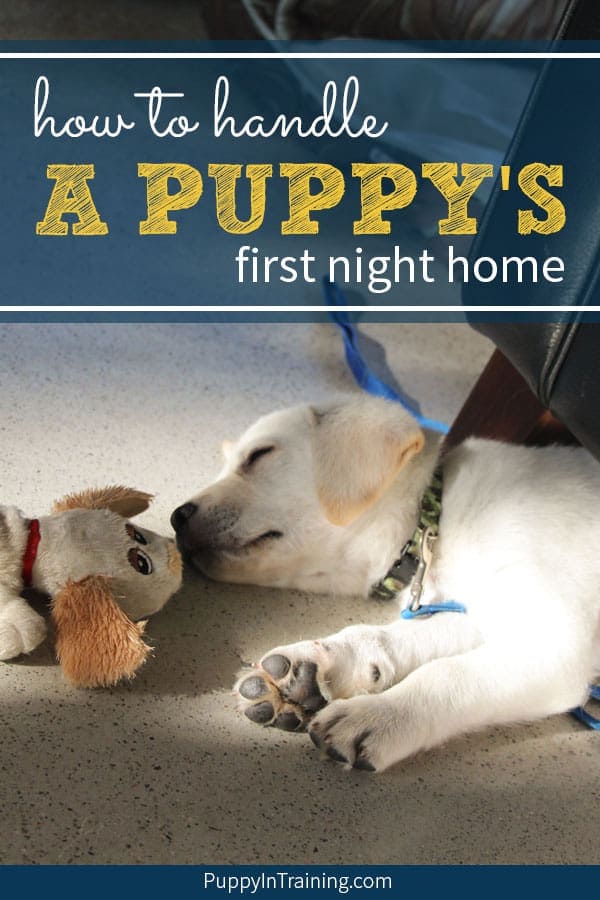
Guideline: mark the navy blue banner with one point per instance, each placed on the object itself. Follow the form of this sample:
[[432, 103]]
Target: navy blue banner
[[286, 881], [210, 181]]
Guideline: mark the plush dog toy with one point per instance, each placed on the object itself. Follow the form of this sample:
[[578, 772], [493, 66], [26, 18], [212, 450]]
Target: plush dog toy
[[103, 576]]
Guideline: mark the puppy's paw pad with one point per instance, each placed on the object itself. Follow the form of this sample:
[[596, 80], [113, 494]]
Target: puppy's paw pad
[[263, 703], [276, 665], [261, 713], [286, 688], [253, 688], [295, 680], [290, 719]]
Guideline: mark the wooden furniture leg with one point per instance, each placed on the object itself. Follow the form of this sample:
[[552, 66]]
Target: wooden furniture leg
[[501, 406]]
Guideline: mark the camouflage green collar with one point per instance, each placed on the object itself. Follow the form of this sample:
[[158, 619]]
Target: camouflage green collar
[[411, 566]]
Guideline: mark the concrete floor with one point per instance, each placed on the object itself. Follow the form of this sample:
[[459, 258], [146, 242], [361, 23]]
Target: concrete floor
[[165, 770]]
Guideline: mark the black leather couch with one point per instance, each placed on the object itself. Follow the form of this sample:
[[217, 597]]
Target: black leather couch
[[560, 360]]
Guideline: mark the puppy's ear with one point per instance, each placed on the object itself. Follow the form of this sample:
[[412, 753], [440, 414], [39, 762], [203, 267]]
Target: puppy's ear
[[124, 501], [96, 643], [358, 449]]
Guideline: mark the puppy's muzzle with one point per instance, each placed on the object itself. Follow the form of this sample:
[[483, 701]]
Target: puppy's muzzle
[[204, 530]]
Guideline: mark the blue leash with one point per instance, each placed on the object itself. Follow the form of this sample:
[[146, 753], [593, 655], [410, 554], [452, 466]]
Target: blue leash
[[365, 378], [430, 609], [369, 382], [580, 713]]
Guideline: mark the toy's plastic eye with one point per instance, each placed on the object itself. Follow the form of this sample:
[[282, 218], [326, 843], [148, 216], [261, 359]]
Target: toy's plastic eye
[[135, 534], [140, 561]]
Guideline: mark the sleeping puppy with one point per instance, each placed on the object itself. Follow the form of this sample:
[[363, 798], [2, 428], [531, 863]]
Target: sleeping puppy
[[325, 499]]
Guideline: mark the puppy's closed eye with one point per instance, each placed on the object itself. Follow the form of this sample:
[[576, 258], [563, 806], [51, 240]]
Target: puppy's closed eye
[[272, 535], [255, 455]]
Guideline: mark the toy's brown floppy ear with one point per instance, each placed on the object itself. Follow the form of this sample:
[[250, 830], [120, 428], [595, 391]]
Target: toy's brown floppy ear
[[96, 643], [124, 501], [358, 450]]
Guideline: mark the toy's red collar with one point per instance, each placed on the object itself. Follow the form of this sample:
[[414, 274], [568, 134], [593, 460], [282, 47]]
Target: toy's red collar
[[33, 541]]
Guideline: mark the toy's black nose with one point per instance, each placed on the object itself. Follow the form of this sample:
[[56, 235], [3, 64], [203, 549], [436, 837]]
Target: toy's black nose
[[181, 515]]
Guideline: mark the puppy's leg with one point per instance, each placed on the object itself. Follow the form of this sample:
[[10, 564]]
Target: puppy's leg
[[292, 682], [490, 685], [21, 628]]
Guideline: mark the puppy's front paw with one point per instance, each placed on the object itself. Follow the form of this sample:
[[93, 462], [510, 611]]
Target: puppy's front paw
[[21, 630], [362, 732], [286, 689]]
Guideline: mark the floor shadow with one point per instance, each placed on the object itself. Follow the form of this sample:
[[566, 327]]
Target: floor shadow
[[191, 639], [95, 779], [211, 630], [201, 639]]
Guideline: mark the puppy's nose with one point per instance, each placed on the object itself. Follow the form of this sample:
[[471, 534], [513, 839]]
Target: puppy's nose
[[180, 516]]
